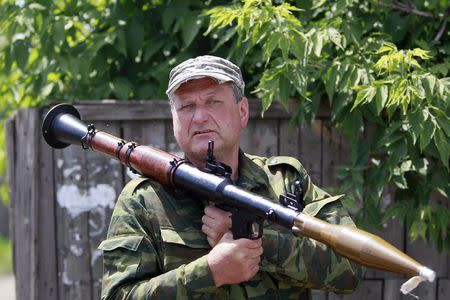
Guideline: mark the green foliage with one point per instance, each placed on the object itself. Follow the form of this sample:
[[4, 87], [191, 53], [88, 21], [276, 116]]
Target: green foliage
[[382, 67], [67, 50], [393, 105], [5, 255]]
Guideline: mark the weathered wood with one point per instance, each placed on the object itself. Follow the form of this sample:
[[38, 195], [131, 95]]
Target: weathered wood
[[392, 288], [311, 150], [104, 183], [443, 289], [289, 138], [60, 219], [261, 138], [73, 199], [25, 199], [171, 143], [33, 118], [47, 287], [160, 109], [427, 254], [11, 156], [330, 154]]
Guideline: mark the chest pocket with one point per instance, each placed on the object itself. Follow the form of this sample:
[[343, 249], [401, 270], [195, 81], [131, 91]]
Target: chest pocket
[[182, 246]]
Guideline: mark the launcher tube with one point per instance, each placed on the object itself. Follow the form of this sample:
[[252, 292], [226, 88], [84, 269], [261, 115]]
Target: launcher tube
[[62, 127]]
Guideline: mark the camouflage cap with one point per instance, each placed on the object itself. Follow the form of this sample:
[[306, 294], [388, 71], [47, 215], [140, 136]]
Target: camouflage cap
[[205, 66]]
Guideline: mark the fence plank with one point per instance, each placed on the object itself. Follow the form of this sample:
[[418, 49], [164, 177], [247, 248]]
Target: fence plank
[[79, 218], [289, 139], [311, 150], [428, 255], [25, 200], [104, 183], [443, 289], [150, 133], [10, 133], [156, 110], [330, 154], [171, 143], [47, 287], [260, 138], [73, 199], [392, 288]]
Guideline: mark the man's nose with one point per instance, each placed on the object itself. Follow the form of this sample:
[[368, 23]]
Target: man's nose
[[200, 115]]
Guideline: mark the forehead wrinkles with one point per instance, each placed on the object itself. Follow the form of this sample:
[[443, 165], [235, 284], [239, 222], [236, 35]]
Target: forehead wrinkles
[[194, 94]]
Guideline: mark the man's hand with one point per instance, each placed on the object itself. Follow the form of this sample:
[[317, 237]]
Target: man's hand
[[215, 223], [234, 261]]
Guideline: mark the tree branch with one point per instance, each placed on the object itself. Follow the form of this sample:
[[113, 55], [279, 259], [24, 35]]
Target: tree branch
[[407, 8], [441, 29]]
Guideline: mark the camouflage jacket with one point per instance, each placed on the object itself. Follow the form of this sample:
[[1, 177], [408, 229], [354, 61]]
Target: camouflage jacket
[[155, 247]]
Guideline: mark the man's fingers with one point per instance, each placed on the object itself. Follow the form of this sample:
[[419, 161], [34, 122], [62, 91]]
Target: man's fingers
[[215, 212], [251, 244], [207, 219], [209, 232], [216, 218]]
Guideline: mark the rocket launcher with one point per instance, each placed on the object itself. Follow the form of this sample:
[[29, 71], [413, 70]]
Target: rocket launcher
[[62, 126]]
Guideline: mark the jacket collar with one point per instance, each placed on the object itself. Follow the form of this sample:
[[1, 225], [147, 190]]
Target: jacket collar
[[251, 176]]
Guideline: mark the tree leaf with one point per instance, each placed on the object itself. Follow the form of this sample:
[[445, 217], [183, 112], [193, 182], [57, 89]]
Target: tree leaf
[[330, 81], [190, 28], [271, 44], [400, 182], [365, 95], [317, 40], [427, 133], [415, 121], [429, 83], [381, 98], [284, 46], [335, 37], [443, 145], [134, 36], [284, 88], [21, 53], [444, 123], [37, 6], [121, 87]]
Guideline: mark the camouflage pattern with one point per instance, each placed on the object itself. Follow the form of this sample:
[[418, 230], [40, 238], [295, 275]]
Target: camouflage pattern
[[155, 247], [211, 66]]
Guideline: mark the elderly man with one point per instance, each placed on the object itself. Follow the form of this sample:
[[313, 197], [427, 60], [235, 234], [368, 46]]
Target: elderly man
[[165, 243]]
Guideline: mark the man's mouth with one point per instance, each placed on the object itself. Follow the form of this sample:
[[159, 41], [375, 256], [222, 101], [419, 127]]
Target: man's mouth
[[202, 131]]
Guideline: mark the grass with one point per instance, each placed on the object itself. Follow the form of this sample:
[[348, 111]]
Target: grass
[[5, 255]]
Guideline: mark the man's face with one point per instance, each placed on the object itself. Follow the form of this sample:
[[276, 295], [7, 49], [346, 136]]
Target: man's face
[[204, 110]]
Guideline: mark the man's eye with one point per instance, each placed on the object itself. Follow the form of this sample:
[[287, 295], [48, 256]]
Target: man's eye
[[186, 106]]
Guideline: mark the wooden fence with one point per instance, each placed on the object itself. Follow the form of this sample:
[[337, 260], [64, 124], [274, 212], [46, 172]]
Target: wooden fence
[[61, 200]]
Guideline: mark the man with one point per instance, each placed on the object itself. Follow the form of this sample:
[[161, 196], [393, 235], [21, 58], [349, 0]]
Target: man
[[165, 243]]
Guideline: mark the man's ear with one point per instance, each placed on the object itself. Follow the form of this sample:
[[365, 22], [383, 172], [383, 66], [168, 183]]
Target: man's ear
[[243, 111]]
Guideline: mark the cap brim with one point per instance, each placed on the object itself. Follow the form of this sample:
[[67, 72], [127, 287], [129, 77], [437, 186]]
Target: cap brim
[[196, 75]]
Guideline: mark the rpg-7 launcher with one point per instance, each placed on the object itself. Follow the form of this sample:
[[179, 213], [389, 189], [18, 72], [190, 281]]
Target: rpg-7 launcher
[[62, 127]]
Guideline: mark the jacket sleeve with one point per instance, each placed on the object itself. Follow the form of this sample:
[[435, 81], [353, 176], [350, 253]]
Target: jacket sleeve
[[302, 261], [133, 260]]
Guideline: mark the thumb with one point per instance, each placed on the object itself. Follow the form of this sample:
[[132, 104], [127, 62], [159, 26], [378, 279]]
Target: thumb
[[227, 236]]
